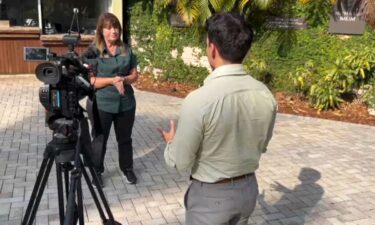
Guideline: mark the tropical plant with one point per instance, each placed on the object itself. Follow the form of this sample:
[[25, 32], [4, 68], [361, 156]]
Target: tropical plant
[[369, 96], [258, 69], [341, 75], [286, 39], [197, 11], [363, 64], [317, 11], [258, 65], [327, 93], [305, 77]]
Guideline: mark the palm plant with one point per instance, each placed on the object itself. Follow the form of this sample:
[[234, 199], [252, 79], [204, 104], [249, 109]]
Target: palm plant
[[317, 11], [197, 11]]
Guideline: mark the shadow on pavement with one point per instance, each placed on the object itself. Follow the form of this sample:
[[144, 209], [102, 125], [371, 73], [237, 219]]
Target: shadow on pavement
[[297, 203]]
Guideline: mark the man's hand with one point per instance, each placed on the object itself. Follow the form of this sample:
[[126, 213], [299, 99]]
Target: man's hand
[[168, 136], [118, 83]]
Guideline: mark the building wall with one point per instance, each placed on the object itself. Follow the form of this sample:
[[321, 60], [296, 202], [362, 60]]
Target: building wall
[[116, 9], [14, 39]]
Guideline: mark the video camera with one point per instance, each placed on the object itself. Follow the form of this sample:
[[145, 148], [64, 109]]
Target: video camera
[[66, 81]]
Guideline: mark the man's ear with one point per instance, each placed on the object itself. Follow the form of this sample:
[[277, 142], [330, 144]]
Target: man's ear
[[213, 50]]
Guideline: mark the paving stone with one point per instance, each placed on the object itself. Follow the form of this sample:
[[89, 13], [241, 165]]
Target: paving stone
[[15, 213], [314, 172], [5, 208]]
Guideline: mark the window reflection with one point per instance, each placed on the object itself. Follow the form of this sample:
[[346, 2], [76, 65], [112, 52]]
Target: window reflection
[[57, 15], [19, 12]]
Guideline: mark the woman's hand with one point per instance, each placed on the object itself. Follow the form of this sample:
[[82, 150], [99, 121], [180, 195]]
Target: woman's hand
[[118, 83]]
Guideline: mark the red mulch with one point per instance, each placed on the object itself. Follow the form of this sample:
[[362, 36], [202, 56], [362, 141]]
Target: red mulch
[[349, 112]]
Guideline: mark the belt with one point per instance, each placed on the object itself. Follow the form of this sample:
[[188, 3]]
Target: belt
[[229, 180]]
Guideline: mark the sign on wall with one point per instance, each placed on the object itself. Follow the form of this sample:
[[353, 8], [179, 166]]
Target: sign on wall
[[286, 23], [35, 54], [346, 18]]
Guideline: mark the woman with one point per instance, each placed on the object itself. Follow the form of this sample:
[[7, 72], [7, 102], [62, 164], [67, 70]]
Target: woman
[[113, 68]]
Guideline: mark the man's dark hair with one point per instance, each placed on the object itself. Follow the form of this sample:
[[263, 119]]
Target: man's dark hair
[[231, 35]]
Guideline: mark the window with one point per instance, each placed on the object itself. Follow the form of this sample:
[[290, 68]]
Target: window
[[57, 15], [54, 15], [19, 12]]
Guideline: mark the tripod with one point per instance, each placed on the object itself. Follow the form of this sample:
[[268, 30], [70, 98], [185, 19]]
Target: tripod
[[65, 150]]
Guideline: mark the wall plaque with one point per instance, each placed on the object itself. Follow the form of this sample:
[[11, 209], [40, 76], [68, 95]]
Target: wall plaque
[[286, 23], [35, 54], [346, 18]]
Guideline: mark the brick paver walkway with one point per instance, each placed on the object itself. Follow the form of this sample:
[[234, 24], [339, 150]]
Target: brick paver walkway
[[315, 172]]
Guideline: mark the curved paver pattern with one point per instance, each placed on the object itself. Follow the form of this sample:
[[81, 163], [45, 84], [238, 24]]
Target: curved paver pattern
[[315, 171]]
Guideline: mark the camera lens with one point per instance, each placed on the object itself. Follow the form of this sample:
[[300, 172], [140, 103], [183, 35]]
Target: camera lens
[[48, 73]]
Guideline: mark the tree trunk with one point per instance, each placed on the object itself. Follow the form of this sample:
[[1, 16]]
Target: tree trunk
[[369, 12]]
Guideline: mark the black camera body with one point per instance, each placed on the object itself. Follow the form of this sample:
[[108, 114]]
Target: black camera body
[[66, 81]]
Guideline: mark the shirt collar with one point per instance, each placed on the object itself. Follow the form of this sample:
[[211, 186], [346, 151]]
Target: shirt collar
[[107, 52], [226, 70]]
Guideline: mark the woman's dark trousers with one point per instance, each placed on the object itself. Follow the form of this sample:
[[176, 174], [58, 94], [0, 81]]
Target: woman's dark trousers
[[123, 125]]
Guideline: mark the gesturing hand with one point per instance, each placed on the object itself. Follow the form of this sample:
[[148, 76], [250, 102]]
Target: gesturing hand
[[168, 136], [118, 83]]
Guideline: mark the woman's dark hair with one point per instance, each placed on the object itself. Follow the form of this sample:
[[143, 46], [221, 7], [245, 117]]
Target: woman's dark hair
[[231, 35]]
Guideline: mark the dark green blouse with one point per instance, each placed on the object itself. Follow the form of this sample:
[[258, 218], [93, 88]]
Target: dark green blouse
[[108, 65]]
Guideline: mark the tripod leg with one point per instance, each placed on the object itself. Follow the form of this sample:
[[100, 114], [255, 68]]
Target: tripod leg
[[93, 194], [66, 179], [78, 161], [60, 192], [101, 194], [37, 193], [80, 204], [71, 206]]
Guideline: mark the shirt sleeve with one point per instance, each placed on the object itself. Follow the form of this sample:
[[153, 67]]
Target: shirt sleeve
[[270, 128], [90, 53], [181, 153], [90, 57]]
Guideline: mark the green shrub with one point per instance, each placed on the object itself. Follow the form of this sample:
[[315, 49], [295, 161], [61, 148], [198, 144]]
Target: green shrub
[[325, 87], [311, 62], [362, 63], [369, 96], [259, 70], [325, 95], [337, 80], [156, 39], [317, 12], [304, 77]]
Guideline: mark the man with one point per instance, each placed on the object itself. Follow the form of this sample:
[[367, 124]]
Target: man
[[223, 129]]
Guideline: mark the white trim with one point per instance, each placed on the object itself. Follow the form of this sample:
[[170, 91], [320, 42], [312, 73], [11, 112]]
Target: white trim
[[40, 14], [109, 6]]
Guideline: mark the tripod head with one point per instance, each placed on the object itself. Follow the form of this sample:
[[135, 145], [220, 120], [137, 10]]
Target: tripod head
[[64, 130]]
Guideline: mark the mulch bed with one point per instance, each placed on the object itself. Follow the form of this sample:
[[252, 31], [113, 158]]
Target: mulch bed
[[354, 112]]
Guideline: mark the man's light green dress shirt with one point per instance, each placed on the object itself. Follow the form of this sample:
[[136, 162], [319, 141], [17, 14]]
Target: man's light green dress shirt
[[223, 127]]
